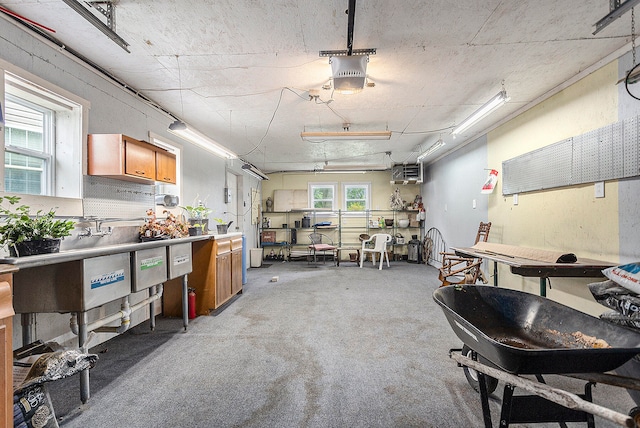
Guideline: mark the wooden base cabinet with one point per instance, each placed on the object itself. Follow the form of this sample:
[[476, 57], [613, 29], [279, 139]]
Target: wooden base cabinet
[[217, 272], [6, 350]]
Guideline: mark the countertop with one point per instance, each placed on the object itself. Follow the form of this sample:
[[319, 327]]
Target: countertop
[[85, 253]]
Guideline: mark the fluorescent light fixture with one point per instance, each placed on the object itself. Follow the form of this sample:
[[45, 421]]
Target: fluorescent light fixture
[[341, 172], [345, 135], [431, 150], [348, 168], [254, 172], [181, 129], [487, 108]]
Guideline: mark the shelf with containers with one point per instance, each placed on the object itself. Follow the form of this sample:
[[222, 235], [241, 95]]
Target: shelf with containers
[[285, 234], [401, 225]]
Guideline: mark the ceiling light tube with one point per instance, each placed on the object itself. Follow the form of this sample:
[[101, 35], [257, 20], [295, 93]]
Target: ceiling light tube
[[361, 167], [324, 171], [430, 150], [346, 135], [254, 172], [182, 130], [500, 99]]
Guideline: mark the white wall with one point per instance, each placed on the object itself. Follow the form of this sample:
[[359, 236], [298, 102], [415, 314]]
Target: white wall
[[451, 186], [115, 110], [568, 219]]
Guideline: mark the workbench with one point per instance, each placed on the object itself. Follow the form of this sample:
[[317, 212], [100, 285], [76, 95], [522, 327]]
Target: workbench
[[582, 268]]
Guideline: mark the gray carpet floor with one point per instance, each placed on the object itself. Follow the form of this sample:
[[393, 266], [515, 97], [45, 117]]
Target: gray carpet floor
[[323, 346]]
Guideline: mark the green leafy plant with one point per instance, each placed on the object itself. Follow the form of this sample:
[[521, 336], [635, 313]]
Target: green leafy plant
[[219, 220], [197, 212], [19, 225]]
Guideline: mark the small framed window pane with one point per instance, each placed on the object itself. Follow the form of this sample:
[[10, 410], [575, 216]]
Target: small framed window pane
[[322, 196], [23, 174], [356, 197], [28, 153]]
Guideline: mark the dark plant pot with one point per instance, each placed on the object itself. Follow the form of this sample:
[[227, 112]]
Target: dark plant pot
[[30, 248], [222, 228], [202, 223], [153, 238], [195, 231]]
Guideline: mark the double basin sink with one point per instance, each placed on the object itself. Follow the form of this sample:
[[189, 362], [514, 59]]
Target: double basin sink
[[79, 280]]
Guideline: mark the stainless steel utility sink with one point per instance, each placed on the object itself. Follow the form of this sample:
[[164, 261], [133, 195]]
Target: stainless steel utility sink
[[179, 260], [148, 267], [72, 286]]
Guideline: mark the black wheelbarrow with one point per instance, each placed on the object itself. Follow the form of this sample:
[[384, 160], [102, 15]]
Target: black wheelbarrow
[[515, 333]]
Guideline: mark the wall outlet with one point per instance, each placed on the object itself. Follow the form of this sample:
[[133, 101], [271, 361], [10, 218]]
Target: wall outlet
[[599, 189], [515, 199], [474, 204]]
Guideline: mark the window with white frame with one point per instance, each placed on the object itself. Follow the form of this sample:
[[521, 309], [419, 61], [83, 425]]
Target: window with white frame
[[357, 197], [42, 138], [176, 149], [28, 144], [322, 196]]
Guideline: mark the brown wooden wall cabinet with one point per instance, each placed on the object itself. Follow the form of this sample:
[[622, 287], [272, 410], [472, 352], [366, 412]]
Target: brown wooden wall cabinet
[[165, 167], [6, 350], [125, 158]]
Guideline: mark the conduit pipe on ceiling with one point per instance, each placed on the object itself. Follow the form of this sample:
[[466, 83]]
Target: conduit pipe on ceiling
[[124, 315]]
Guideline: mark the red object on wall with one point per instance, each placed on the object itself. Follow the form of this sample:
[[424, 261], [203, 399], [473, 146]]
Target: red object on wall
[[192, 303]]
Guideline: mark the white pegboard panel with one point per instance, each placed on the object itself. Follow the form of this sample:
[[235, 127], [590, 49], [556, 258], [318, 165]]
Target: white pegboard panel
[[110, 198], [631, 152], [606, 153], [540, 169], [576, 158], [617, 151], [588, 168]]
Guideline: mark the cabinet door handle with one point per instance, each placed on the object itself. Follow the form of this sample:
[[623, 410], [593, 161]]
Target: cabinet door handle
[[167, 178], [139, 172]]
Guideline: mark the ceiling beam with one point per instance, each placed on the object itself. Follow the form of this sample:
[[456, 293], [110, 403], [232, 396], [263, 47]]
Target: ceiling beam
[[86, 14], [617, 9]]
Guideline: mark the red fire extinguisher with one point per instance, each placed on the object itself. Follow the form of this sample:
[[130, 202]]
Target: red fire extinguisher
[[192, 303]]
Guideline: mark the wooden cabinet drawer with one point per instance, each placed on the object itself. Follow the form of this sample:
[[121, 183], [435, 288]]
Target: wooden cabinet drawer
[[223, 246]]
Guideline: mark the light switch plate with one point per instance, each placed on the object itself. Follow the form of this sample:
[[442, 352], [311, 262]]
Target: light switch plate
[[599, 189], [515, 199]]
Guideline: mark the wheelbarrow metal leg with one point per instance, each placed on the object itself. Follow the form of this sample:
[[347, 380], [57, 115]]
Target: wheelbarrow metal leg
[[484, 395]]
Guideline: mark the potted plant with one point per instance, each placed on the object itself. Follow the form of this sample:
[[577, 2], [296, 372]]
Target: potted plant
[[222, 225], [25, 234], [168, 228], [198, 216]]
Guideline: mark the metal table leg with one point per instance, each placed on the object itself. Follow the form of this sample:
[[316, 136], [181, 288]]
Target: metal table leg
[[85, 392], [152, 308], [28, 321], [185, 302]]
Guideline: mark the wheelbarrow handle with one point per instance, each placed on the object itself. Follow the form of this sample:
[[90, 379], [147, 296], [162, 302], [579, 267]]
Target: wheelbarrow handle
[[559, 396]]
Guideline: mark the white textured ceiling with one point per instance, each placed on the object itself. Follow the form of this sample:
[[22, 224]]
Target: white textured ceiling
[[240, 71]]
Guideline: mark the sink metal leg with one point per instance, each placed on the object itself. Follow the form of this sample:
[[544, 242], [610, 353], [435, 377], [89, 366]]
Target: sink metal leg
[[185, 302], [82, 340], [28, 321], [152, 308]]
